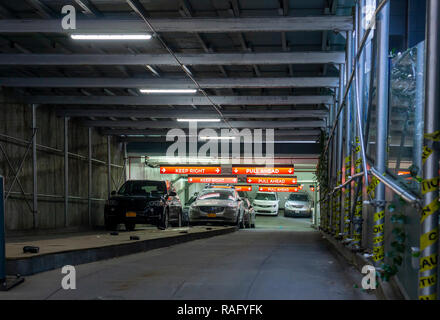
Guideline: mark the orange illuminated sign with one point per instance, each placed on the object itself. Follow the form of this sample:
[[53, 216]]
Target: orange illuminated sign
[[212, 180], [190, 170], [262, 170], [269, 180], [278, 189], [243, 188]]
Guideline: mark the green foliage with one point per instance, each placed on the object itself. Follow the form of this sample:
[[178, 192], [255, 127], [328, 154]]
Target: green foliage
[[398, 247]]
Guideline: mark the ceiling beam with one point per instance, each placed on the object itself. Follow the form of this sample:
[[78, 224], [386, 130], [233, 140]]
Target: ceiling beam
[[213, 125], [161, 132], [157, 100], [206, 59], [164, 83], [148, 113], [163, 139], [201, 25]]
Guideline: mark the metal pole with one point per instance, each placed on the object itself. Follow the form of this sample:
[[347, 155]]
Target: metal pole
[[381, 131], [2, 233], [109, 167], [418, 119], [428, 272], [34, 167], [340, 149], [90, 175], [348, 137], [357, 128], [66, 170], [125, 161]]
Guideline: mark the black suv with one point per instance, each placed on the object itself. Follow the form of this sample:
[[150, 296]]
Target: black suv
[[143, 202]]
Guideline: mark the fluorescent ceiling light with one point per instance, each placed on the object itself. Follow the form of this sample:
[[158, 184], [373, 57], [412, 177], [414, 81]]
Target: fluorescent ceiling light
[[110, 36], [168, 90], [216, 138], [199, 120]]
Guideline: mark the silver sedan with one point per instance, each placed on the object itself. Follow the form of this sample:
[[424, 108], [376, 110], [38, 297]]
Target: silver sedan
[[217, 206]]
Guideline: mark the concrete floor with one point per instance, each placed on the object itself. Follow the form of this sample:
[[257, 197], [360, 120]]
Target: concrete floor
[[282, 258]]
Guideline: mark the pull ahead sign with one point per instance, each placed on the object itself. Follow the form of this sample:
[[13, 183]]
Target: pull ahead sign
[[268, 180], [190, 170], [278, 189], [262, 170], [212, 180]]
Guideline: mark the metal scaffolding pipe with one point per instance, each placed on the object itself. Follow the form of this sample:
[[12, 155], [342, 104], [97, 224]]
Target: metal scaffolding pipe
[[340, 150], [348, 137], [90, 172], [66, 170], [428, 272], [34, 167], [109, 168], [418, 118], [382, 131]]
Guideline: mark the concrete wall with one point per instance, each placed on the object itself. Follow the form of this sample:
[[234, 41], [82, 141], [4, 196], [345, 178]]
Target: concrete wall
[[16, 121]]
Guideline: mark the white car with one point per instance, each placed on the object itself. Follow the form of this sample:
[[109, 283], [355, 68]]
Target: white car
[[266, 203]]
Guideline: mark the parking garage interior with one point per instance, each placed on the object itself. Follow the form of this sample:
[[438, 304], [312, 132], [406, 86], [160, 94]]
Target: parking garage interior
[[338, 93]]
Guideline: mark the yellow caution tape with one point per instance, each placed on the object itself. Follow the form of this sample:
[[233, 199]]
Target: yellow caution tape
[[429, 262], [378, 228], [430, 185], [378, 239], [379, 215], [435, 136], [429, 297], [430, 209], [428, 239], [347, 159], [426, 153], [428, 281]]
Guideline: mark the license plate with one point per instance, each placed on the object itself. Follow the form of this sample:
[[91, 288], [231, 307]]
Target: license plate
[[212, 215], [130, 214]]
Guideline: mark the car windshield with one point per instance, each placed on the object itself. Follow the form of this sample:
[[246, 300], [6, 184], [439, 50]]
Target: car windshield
[[298, 197], [216, 195], [265, 196], [142, 188]]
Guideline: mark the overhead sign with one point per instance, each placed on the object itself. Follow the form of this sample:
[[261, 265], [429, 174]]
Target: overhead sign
[[262, 170], [278, 189], [190, 170], [212, 180], [270, 180], [243, 188]]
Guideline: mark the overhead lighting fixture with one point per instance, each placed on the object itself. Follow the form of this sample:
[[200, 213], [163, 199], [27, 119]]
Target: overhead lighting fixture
[[168, 90], [199, 120], [111, 36], [216, 138]]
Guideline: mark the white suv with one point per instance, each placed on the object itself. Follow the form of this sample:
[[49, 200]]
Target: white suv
[[266, 203]]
